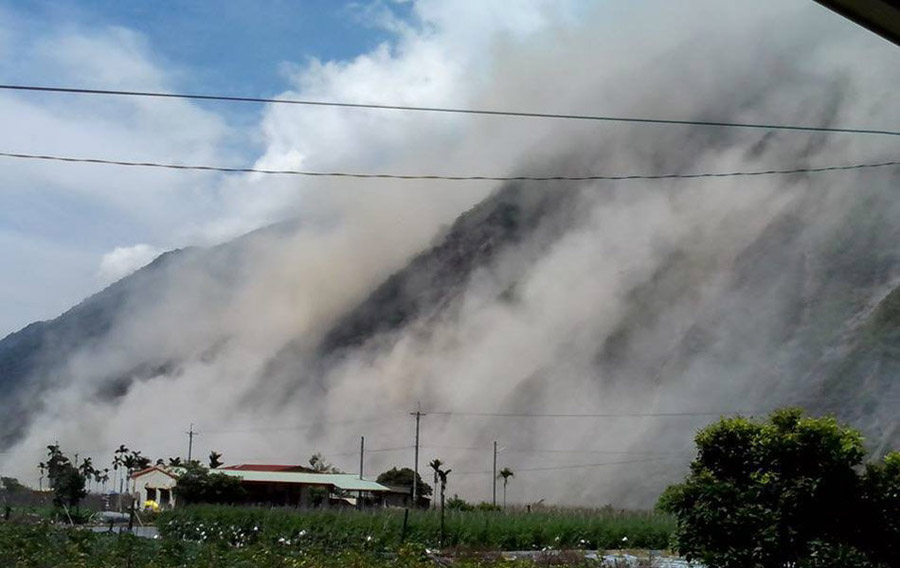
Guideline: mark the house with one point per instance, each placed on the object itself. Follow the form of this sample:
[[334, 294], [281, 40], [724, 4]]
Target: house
[[286, 486], [277, 485], [155, 483]]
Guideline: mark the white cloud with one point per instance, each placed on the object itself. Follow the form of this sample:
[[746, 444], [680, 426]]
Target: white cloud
[[122, 261], [537, 55]]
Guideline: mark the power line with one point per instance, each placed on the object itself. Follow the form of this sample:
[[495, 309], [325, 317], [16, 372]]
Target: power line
[[552, 451], [298, 427], [572, 466], [449, 110], [587, 414], [426, 177], [372, 451]]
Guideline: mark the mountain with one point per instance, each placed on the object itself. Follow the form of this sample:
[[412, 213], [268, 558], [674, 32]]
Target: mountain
[[802, 308]]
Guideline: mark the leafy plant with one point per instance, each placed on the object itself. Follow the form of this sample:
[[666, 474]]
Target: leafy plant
[[198, 485], [404, 478], [783, 492]]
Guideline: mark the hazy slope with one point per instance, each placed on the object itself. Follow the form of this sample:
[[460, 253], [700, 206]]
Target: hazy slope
[[647, 307]]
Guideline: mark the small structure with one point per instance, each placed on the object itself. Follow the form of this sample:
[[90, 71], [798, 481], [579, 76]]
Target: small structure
[[285, 486], [278, 485], [156, 484]]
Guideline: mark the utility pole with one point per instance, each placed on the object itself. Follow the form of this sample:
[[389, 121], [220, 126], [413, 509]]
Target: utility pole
[[415, 492], [494, 478], [362, 452], [191, 435]]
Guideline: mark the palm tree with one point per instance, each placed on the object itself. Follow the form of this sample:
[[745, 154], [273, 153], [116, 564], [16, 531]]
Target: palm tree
[[505, 473], [86, 469], [104, 479], [442, 477], [215, 460], [435, 465], [118, 460]]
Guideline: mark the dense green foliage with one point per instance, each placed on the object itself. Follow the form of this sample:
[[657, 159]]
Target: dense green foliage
[[605, 529], [42, 546], [457, 503], [786, 492], [12, 485], [67, 481], [403, 477], [198, 485]]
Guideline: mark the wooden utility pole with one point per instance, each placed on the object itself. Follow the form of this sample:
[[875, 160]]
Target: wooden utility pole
[[415, 489], [494, 478], [362, 452], [191, 435]]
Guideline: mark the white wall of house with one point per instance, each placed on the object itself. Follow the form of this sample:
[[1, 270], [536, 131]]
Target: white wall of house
[[155, 485]]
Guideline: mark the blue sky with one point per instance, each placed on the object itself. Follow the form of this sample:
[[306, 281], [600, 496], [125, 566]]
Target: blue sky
[[67, 230], [57, 228], [235, 47]]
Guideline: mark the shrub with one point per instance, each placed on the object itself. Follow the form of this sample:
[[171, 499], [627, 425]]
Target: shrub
[[784, 492]]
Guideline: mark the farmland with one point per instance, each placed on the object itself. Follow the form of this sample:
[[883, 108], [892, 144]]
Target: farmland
[[489, 530], [243, 536], [44, 546]]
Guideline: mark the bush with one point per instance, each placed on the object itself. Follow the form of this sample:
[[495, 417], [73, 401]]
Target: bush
[[455, 503], [198, 485], [785, 492]]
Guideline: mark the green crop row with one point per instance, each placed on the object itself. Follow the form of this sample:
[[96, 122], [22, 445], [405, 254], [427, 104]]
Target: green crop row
[[384, 529], [46, 546]]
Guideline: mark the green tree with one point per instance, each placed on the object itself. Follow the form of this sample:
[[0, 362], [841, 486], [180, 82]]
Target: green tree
[[777, 493], [881, 509], [457, 503], [67, 481], [12, 485], [197, 485], [505, 474], [442, 478], [403, 477]]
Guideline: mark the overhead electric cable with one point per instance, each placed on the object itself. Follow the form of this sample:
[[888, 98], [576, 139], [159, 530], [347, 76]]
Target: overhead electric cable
[[573, 466], [426, 177], [587, 414], [448, 110], [297, 427], [554, 451]]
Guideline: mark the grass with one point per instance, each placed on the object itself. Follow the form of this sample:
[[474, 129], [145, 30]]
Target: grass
[[383, 530], [46, 546]]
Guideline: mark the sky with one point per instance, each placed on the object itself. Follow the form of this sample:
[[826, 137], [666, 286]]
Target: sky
[[67, 230], [60, 241]]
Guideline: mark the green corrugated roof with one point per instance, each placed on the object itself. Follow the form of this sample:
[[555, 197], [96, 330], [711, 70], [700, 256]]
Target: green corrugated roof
[[345, 481]]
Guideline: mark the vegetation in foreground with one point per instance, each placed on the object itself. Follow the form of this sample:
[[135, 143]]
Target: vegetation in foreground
[[383, 530], [788, 491], [45, 546]]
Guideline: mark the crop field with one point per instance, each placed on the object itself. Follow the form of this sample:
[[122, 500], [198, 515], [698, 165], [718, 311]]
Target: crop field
[[43, 545], [384, 530]]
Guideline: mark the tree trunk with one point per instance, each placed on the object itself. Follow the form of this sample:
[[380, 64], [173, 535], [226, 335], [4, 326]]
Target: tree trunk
[[442, 516]]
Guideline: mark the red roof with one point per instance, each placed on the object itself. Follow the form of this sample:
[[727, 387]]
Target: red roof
[[268, 467]]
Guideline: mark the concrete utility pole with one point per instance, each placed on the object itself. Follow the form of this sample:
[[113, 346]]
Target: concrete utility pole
[[494, 478], [191, 435], [362, 452], [415, 492]]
